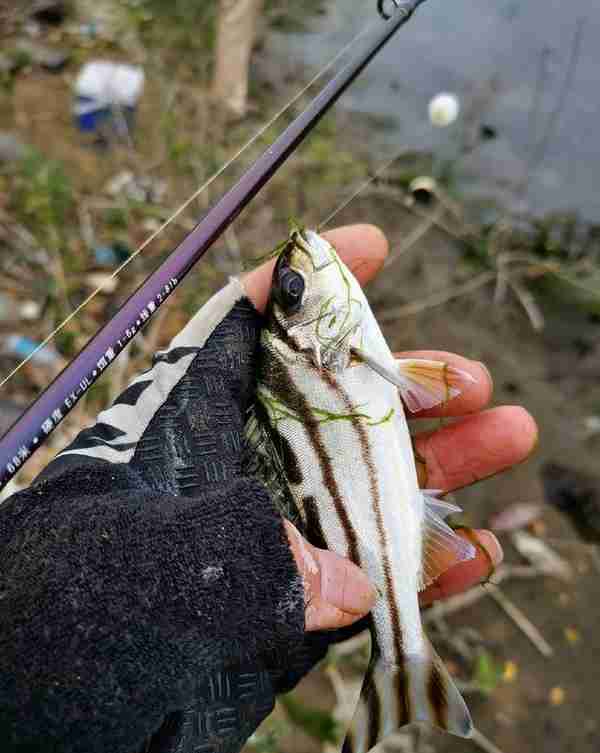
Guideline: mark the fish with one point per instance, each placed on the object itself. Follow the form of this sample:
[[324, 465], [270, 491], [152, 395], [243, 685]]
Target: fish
[[330, 397]]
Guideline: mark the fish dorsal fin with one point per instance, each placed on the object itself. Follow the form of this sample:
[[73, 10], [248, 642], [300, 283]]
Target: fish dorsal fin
[[442, 548], [423, 384]]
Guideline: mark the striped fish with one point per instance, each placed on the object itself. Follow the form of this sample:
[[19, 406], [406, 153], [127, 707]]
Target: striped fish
[[329, 396]]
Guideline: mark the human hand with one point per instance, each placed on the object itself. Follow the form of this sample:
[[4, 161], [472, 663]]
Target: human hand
[[337, 592]]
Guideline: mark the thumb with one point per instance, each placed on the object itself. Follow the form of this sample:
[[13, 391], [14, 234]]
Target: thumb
[[336, 591]]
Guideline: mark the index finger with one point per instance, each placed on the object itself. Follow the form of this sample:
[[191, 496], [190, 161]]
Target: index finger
[[363, 248]]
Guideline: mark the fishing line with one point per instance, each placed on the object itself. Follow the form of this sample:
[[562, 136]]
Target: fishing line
[[363, 186], [191, 199]]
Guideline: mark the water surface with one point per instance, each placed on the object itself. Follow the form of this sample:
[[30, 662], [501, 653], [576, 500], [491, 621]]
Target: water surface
[[500, 57]]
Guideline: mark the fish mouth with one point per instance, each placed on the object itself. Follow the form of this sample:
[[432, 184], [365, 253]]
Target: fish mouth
[[320, 251]]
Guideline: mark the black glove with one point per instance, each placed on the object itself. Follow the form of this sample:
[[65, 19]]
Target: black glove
[[150, 600]]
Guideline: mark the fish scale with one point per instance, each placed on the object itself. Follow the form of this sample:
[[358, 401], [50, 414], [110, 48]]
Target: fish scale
[[330, 391]]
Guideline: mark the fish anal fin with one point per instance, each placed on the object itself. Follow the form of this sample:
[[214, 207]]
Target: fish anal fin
[[442, 547], [425, 384], [441, 507], [421, 690]]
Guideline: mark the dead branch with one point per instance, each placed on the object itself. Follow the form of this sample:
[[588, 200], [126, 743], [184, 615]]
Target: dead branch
[[481, 741], [461, 601], [520, 620], [438, 299]]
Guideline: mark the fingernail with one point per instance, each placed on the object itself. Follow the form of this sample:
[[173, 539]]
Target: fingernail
[[491, 545], [486, 542], [535, 442], [488, 373], [344, 585]]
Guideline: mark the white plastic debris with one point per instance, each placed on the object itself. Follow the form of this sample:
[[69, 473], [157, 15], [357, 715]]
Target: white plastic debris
[[121, 181], [110, 83], [136, 188], [30, 310], [515, 516], [444, 109], [105, 282], [151, 225], [541, 556], [591, 425], [102, 87]]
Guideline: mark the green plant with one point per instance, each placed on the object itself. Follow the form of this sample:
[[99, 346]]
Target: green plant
[[44, 194], [487, 673], [318, 724], [266, 738]]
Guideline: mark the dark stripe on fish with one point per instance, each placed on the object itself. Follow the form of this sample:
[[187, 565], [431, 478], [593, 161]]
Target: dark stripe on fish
[[361, 432], [438, 700], [374, 710], [402, 697], [359, 427], [314, 529], [283, 389]]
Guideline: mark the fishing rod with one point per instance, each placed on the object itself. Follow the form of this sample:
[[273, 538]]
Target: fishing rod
[[36, 424]]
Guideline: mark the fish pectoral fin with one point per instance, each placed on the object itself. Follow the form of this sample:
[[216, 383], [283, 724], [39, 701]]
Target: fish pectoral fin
[[420, 690], [423, 384], [387, 372], [442, 547]]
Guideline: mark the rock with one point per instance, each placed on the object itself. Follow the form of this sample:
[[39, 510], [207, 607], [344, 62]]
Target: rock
[[51, 59], [11, 149], [487, 132], [8, 64], [52, 12], [6, 307]]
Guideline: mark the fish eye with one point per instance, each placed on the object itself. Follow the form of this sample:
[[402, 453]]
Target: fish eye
[[288, 287], [292, 286], [291, 290]]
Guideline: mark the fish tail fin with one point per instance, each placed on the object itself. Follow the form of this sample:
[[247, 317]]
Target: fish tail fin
[[419, 691]]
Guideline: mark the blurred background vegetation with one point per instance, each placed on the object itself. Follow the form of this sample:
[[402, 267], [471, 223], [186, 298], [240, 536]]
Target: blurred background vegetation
[[473, 269]]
